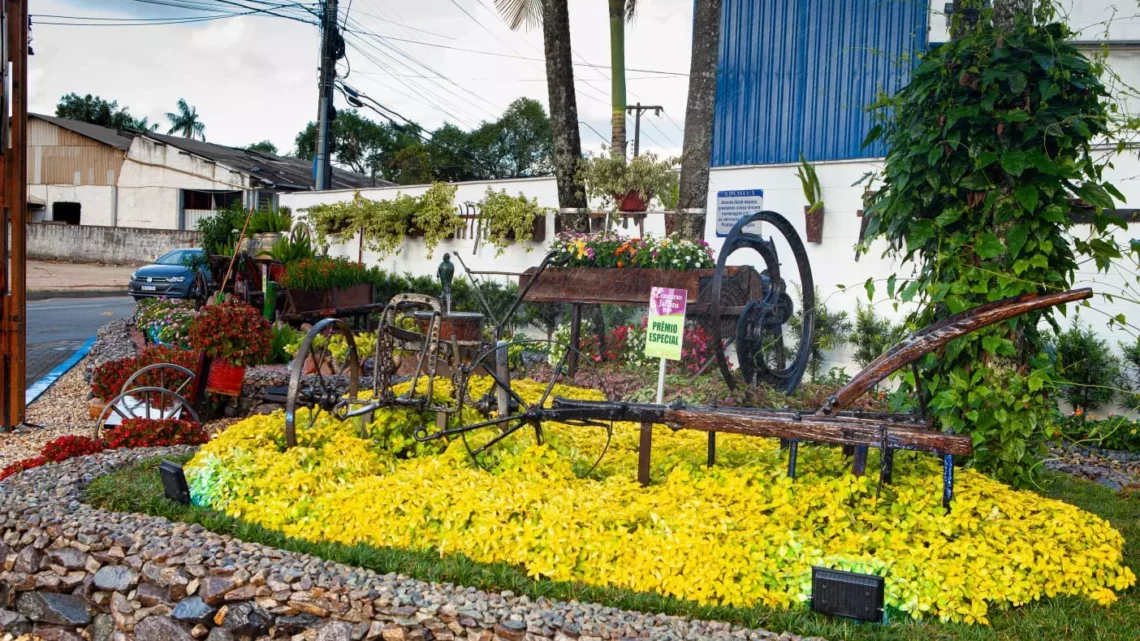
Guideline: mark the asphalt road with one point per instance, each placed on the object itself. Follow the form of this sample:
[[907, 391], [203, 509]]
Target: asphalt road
[[58, 326]]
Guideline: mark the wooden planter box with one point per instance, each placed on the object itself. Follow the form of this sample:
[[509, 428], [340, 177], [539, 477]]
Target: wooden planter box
[[624, 286], [310, 300]]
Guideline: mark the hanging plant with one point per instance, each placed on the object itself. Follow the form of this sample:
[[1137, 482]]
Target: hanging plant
[[627, 185], [508, 219], [435, 215]]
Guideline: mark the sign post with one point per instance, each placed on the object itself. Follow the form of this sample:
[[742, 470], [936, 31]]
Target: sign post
[[665, 331]]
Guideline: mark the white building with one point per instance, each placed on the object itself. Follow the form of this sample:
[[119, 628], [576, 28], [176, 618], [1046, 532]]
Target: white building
[[84, 174]]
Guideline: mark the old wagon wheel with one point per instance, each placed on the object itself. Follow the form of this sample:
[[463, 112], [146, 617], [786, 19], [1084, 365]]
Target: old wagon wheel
[[145, 402], [316, 381], [171, 376], [768, 349], [536, 367]]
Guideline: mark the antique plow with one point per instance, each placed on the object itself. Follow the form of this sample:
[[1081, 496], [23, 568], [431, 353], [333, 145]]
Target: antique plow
[[830, 424]]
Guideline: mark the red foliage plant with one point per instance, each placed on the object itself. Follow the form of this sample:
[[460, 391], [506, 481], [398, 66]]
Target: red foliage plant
[[236, 333], [134, 432], [143, 432], [108, 379]]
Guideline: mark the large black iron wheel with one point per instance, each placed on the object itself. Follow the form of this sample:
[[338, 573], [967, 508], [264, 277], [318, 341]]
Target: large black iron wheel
[[330, 382], [543, 364], [772, 344]]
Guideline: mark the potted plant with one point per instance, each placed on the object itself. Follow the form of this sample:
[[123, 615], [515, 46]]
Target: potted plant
[[320, 283], [509, 219], [234, 336], [266, 228], [813, 211], [627, 186], [434, 215]]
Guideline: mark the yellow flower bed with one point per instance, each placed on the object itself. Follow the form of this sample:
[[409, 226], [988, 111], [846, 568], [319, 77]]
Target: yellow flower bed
[[738, 534]]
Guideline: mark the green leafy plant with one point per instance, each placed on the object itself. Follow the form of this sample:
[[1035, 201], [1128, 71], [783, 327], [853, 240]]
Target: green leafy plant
[[271, 221], [873, 334], [298, 245], [325, 273], [1087, 370], [609, 178], [1113, 432], [988, 143], [832, 331], [283, 337], [508, 219], [435, 215], [220, 230], [810, 183]]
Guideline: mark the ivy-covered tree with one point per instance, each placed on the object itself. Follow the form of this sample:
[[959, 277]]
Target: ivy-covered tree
[[990, 144]]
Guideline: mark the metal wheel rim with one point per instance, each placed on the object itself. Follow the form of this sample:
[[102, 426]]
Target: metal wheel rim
[[296, 374], [582, 360]]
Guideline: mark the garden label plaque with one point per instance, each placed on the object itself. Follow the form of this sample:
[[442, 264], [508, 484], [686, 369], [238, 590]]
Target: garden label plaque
[[733, 205], [665, 331]]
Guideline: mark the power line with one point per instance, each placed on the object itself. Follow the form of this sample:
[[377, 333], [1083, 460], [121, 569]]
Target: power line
[[591, 128]]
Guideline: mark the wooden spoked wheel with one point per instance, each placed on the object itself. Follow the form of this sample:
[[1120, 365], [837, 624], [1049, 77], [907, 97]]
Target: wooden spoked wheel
[[146, 402]]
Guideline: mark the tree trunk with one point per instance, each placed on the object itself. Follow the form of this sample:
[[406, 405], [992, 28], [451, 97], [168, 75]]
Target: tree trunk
[[697, 154], [1006, 10], [617, 75], [563, 111]]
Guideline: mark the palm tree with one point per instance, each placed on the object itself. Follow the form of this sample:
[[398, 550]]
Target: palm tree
[[621, 11], [186, 121], [697, 153], [554, 17]]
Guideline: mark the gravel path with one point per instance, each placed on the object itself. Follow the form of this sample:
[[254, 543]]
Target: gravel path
[[61, 410], [1116, 470]]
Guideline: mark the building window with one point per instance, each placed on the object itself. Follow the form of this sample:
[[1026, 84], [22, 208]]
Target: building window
[[65, 213]]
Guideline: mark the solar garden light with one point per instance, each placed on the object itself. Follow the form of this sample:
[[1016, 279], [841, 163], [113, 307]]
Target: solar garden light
[[174, 482], [847, 594]]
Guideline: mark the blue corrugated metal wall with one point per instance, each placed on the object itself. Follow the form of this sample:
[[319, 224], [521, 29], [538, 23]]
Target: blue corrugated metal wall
[[795, 75]]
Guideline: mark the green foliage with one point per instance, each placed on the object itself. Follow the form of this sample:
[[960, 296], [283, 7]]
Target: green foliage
[[298, 245], [283, 336], [508, 219], [810, 183], [263, 147], [324, 273], [220, 230], [607, 177], [1111, 433], [271, 221], [988, 143], [386, 223], [832, 330], [98, 111], [873, 334], [1088, 372], [186, 122]]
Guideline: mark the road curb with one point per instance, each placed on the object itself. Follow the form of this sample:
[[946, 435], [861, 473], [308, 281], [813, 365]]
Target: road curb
[[35, 390], [45, 294]]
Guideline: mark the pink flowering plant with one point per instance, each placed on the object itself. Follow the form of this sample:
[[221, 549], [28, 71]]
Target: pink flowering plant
[[608, 249], [166, 321]]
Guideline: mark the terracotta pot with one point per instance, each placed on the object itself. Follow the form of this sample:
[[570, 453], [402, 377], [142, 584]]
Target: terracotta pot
[[632, 201], [814, 225]]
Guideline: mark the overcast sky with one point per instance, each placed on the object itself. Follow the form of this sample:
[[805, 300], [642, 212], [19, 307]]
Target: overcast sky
[[254, 78]]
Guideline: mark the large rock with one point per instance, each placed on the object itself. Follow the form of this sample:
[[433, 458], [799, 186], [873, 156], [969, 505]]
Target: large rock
[[194, 610], [335, 631], [149, 595], [58, 609], [247, 620], [290, 625], [28, 560], [69, 558], [160, 628], [220, 634], [55, 633], [103, 628], [14, 623], [213, 589], [116, 578]]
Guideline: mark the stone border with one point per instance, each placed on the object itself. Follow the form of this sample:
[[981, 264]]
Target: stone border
[[70, 569]]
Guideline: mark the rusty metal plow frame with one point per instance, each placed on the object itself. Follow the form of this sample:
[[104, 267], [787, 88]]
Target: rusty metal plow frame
[[830, 424]]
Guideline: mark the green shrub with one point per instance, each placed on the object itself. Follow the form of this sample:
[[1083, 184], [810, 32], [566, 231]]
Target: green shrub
[[873, 334], [1088, 372], [832, 331], [220, 230], [271, 221]]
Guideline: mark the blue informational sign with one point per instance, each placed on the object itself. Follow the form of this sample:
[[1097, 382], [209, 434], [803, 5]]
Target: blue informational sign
[[734, 204]]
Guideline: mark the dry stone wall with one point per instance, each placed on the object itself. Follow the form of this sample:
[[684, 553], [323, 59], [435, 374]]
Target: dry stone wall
[[72, 572]]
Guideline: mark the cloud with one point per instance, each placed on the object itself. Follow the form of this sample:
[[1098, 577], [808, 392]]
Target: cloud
[[219, 35]]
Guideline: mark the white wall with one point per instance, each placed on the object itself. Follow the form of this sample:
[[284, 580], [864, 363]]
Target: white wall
[[1092, 20], [96, 202]]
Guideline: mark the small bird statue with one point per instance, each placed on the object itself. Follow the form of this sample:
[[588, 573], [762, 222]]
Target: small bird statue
[[445, 273]]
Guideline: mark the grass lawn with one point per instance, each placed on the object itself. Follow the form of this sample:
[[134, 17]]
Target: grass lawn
[[138, 489]]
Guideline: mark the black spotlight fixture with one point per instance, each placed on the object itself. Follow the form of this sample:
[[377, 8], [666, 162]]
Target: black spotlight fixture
[[847, 594], [174, 482]]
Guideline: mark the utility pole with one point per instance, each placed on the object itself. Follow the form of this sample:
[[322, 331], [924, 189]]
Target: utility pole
[[636, 110], [332, 49], [13, 207]]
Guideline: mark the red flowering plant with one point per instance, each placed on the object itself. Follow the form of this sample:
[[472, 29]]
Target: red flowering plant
[[325, 273], [70, 446], [20, 466], [235, 333], [108, 379], [147, 432]]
